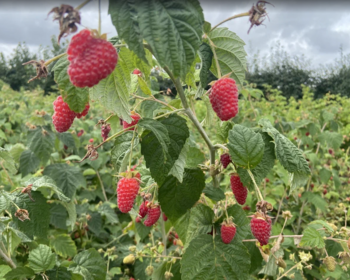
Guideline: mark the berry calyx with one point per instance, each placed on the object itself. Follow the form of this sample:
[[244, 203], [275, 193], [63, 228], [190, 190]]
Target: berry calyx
[[238, 189], [228, 231], [225, 160], [152, 215], [63, 117], [260, 226], [91, 59], [136, 118], [105, 129], [127, 191], [85, 112], [224, 98]]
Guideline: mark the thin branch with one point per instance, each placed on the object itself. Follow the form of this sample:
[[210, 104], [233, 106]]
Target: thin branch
[[230, 18], [7, 259], [102, 186], [256, 186], [82, 4], [7, 175], [154, 100]]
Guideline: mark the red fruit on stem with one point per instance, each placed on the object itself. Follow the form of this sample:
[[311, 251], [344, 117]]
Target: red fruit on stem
[[330, 151], [238, 189], [137, 72], [312, 186], [80, 133], [325, 191], [152, 215], [63, 117], [91, 140], [174, 242], [127, 191], [143, 209], [65, 147], [138, 219], [120, 121], [261, 228], [224, 98], [135, 117], [225, 160], [247, 207], [105, 129], [91, 59], [307, 133], [85, 112], [176, 235], [228, 231], [299, 195], [165, 218], [267, 180], [295, 138]]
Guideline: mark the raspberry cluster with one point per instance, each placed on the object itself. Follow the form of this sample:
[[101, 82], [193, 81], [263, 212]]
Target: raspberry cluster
[[152, 215], [224, 98], [91, 59]]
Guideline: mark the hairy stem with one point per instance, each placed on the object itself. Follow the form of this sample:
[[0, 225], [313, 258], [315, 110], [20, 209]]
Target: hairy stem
[[131, 149], [256, 186], [82, 4], [230, 18], [7, 259], [164, 234]]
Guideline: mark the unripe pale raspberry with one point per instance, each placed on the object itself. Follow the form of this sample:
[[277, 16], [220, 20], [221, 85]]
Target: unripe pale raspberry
[[152, 215], [63, 116], [135, 117], [238, 189], [126, 193], [228, 231], [91, 59], [225, 160], [224, 98], [261, 229], [85, 112]]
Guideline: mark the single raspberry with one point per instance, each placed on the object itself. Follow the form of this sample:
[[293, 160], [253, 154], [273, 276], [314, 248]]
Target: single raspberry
[[85, 112], [63, 117], [247, 207], [307, 133], [225, 160], [152, 215], [126, 193], [91, 59], [80, 133], [165, 218], [228, 231], [91, 140], [330, 263], [120, 121], [238, 189], [224, 98], [261, 228], [138, 219], [176, 235], [135, 117], [137, 72], [105, 129], [143, 209]]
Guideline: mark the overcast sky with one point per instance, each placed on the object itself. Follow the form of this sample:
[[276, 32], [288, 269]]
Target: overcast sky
[[315, 28]]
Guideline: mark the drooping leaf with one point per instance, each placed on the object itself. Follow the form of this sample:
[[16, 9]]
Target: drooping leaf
[[63, 245], [59, 273], [316, 200], [28, 162], [176, 198], [67, 139], [311, 237], [19, 272], [143, 86], [41, 142], [215, 194], [211, 259], [206, 56], [223, 130], [246, 146], [41, 258], [16, 151], [108, 212], [121, 148], [178, 168], [7, 161]]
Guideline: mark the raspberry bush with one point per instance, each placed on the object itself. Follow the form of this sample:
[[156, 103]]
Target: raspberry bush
[[117, 178]]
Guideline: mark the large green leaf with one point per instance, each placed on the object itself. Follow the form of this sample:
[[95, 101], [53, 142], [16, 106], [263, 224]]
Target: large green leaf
[[206, 56], [41, 258], [67, 178], [90, 265], [178, 168], [289, 155], [230, 52], [333, 139], [28, 162], [7, 161], [63, 245], [121, 148], [246, 146], [176, 198], [210, 259], [19, 273], [264, 166], [67, 139], [75, 97], [173, 29], [157, 159], [311, 237], [16, 151], [3, 270], [316, 199], [41, 142], [113, 92], [108, 212], [59, 273]]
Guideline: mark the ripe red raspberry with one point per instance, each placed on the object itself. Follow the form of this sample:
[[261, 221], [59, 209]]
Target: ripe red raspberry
[[238, 189], [137, 72], [152, 215], [143, 209], [126, 193], [176, 235], [307, 133], [91, 59], [63, 117], [85, 112], [247, 207], [225, 160], [80, 133], [91, 140], [228, 231], [135, 117], [261, 228], [165, 218], [138, 219], [325, 191], [105, 129], [224, 98]]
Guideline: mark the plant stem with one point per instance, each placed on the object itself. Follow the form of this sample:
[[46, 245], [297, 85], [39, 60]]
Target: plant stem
[[102, 186], [279, 207], [284, 274], [8, 260], [131, 148], [256, 186], [82, 4], [164, 235], [7, 175], [155, 100], [54, 58], [99, 16], [230, 18], [212, 45]]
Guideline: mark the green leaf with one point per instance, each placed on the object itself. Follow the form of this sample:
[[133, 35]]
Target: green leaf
[[197, 220], [263, 168], [63, 245], [316, 200], [28, 162], [325, 175], [210, 259], [140, 64], [194, 157], [157, 159], [176, 198], [95, 223], [246, 147], [142, 230], [143, 86], [16, 151], [19, 273], [67, 178], [311, 237], [223, 130], [3, 270], [333, 139], [113, 92], [159, 273], [121, 148], [106, 210], [148, 107], [271, 266], [41, 142], [58, 216], [230, 52], [215, 194], [173, 29], [41, 258], [291, 157], [178, 168], [59, 273], [241, 220], [75, 97], [4, 203], [7, 161], [72, 214], [67, 139], [46, 182], [206, 56], [210, 114], [89, 264], [324, 224]]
